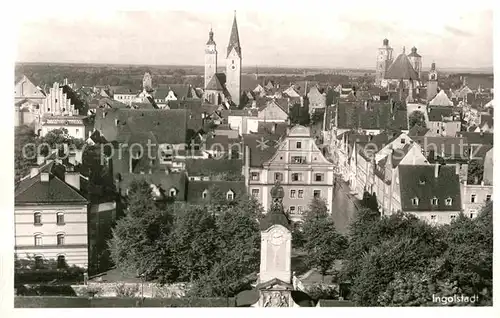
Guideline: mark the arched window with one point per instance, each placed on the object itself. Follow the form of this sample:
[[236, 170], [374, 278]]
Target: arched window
[[204, 195], [60, 239], [37, 218], [230, 195], [61, 261], [173, 192], [434, 201], [60, 218], [38, 239]]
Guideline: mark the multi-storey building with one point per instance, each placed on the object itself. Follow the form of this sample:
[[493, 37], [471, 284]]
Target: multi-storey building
[[50, 216], [297, 163]]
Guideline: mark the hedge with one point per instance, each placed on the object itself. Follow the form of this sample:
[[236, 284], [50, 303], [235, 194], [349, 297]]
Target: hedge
[[81, 302]]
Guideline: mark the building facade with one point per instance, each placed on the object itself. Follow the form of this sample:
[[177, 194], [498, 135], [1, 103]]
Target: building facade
[[299, 166], [50, 218]]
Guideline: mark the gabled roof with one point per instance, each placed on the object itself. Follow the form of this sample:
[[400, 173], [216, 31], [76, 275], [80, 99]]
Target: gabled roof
[[441, 99], [487, 119], [401, 68], [419, 181], [196, 189], [234, 39], [54, 191], [215, 83]]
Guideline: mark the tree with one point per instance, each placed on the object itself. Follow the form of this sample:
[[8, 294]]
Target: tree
[[318, 116], [475, 172], [323, 244], [416, 118], [469, 253], [141, 240], [25, 151], [299, 115]]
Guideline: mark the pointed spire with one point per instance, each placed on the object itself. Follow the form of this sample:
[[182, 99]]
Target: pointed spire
[[404, 49], [211, 37], [234, 39]]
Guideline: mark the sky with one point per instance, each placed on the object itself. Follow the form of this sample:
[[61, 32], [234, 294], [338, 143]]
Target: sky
[[452, 36]]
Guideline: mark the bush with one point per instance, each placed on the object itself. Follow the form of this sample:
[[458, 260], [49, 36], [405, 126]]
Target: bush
[[125, 291], [323, 291]]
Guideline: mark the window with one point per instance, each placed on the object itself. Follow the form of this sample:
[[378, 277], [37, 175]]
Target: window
[[37, 218], [403, 141], [299, 209], [255, 176], [60, 218], [230, 196], [414, 201], [317, 193], [255, 193], [278, 176], [299, 145], [449, 201], [319, 177], [38, 240], [298, 159], [38, 262], [473, 198], [292, 209], [204, 194], [488, 197], [61, 261], [437, 131], [173, 192], [301, 194], [453, 217], [60, 239], [292, 194], [77, 131], [434, 201], [296, 176]]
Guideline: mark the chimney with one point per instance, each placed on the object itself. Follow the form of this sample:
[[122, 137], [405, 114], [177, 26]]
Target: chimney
[[273, 129], [436, 170], [116, 122], [457, 168], [44, 176], [73, 179], [34, 172]]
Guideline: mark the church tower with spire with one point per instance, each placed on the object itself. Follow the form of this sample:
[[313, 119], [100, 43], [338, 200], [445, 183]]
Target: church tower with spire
[[233, 64], [210, 58]]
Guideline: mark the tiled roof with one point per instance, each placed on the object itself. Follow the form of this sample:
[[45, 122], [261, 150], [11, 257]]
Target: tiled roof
[[477, 138], [487, 119], [168, 126], [438, 113], [196, 189], [418, 131], [209, 167], [162, 180], [234, 39], [401, 68], [272, 128], [215, 84], [125, 90], [55, 191], [450, 147], [377, 115], [441, 99], [261, 146], [419, 181], [161, 92]]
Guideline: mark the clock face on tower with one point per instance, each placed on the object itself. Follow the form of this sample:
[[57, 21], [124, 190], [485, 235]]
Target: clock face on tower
[[233, 67], [277, 237]]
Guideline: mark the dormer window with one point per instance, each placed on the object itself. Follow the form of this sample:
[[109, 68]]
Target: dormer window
[[434, 201], [421, 181], [414, 201], [449, 201], [230, 195], [173, 192], [204, 195]]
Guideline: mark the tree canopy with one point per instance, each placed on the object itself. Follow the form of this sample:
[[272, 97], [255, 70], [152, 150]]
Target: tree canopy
[[416, 118]]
